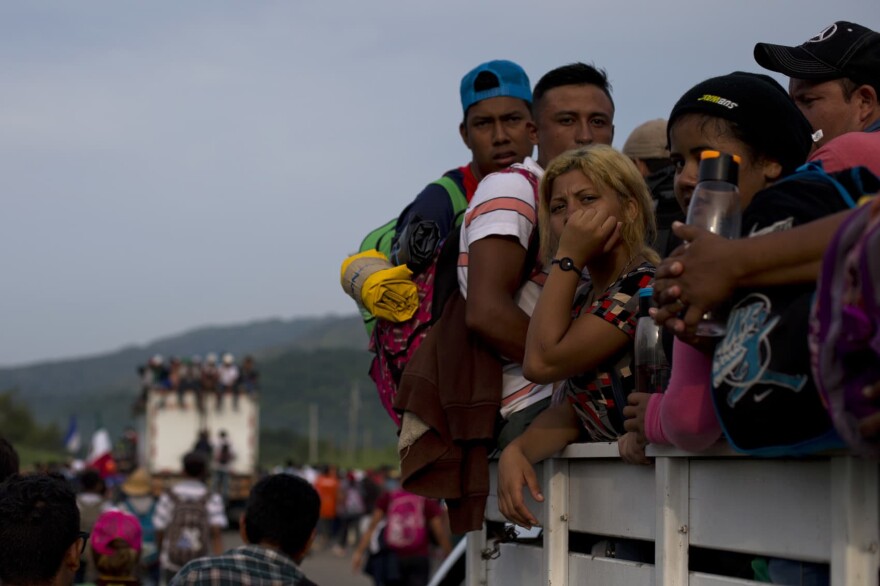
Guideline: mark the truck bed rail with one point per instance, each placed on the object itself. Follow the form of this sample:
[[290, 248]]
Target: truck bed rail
[[821, 509]]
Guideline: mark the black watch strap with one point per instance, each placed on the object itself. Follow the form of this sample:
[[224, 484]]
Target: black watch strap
[[566, 264]]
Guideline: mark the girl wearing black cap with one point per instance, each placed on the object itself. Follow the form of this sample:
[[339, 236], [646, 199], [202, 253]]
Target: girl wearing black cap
[[595, 215], [763, 361], [751, 116]]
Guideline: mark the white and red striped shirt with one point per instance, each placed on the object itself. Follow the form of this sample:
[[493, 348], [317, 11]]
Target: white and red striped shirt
[[505, 205]]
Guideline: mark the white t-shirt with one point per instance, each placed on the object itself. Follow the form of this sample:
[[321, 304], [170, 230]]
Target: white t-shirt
[[505, 205], [228, 374], [186, 490]]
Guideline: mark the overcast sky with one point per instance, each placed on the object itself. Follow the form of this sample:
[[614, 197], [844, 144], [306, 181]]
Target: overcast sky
[[166, 165]]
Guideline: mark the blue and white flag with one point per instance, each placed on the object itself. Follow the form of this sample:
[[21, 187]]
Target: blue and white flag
[[72, 439]]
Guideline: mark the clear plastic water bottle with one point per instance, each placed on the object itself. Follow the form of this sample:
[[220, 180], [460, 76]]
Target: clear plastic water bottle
[[715, 206], [652, 365]]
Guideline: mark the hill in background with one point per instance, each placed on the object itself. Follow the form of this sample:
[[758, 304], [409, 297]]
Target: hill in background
[[301, 362]]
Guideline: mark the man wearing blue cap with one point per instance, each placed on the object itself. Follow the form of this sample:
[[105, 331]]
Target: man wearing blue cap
[[497, 128]]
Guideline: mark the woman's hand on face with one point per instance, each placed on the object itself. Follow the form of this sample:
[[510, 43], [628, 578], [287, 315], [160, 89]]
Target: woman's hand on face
[[514, 472], [588, 234]]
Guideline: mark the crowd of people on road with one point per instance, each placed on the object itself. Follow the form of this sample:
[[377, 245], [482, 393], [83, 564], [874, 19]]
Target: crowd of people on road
[[525, 341], [76, 530], [200, 378], [530, 344]]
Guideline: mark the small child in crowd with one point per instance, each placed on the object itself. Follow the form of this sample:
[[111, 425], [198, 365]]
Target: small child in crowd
[[116, 542]]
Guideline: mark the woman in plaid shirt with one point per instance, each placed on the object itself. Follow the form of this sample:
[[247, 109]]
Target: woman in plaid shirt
[[595, 216]]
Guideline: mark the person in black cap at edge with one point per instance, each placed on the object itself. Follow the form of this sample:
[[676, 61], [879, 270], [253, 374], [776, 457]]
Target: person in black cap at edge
[[835, 81]]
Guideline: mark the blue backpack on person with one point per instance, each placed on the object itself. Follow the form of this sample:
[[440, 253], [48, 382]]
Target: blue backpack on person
[[149, 553], [765, 395]]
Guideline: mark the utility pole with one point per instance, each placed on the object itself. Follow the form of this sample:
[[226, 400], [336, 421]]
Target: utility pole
[[313, 434], [354, 406]]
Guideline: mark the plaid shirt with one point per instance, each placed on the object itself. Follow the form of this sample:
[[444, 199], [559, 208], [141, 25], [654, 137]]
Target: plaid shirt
[[249, 565], [592, 393]]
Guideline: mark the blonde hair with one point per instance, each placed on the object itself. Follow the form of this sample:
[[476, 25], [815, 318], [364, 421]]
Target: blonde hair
[[609, 168], [121, 564]]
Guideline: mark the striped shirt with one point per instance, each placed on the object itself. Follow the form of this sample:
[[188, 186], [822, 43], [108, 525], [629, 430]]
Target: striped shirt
[[505, 205], [186, 490], [248, 565]]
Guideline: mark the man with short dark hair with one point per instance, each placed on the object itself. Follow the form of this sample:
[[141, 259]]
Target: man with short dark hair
[[183, 496], [571, 107], [277, 527], [835, 81], [9, 462], [40, 540]]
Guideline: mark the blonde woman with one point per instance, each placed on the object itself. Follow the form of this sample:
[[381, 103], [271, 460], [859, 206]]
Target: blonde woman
[[596, 219]]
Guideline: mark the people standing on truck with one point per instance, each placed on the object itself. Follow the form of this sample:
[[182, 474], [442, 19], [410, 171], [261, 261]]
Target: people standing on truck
[[174, 379], [277, 527], [227, 375], [159, 372], [138, 500], [248, 377], [188, 519], [223, 458], [195, 373], [209, 373], [203, 445]]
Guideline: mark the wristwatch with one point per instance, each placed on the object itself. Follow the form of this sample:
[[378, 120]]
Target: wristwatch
[[566, 264]]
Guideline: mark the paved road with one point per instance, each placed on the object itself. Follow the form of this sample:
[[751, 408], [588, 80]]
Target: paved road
[[321, 567]]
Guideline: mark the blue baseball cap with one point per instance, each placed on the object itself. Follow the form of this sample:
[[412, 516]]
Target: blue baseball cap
[[512, 82]]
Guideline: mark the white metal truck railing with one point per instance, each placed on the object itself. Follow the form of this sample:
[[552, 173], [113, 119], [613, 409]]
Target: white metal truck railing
[[819, 509]]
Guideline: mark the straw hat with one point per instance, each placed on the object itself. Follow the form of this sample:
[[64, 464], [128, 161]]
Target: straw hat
[[137, 483]]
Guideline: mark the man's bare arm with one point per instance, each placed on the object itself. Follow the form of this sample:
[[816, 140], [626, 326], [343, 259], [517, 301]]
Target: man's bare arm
[[495, 270]]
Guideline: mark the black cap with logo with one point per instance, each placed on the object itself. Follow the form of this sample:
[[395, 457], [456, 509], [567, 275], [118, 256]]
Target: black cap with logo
[[844, 49]]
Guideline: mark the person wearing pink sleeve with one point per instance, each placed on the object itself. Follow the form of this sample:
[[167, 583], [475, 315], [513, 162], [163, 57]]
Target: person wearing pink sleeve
[[684, 415]]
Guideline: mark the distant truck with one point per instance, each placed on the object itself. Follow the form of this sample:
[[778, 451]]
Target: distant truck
[[171, 431]]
